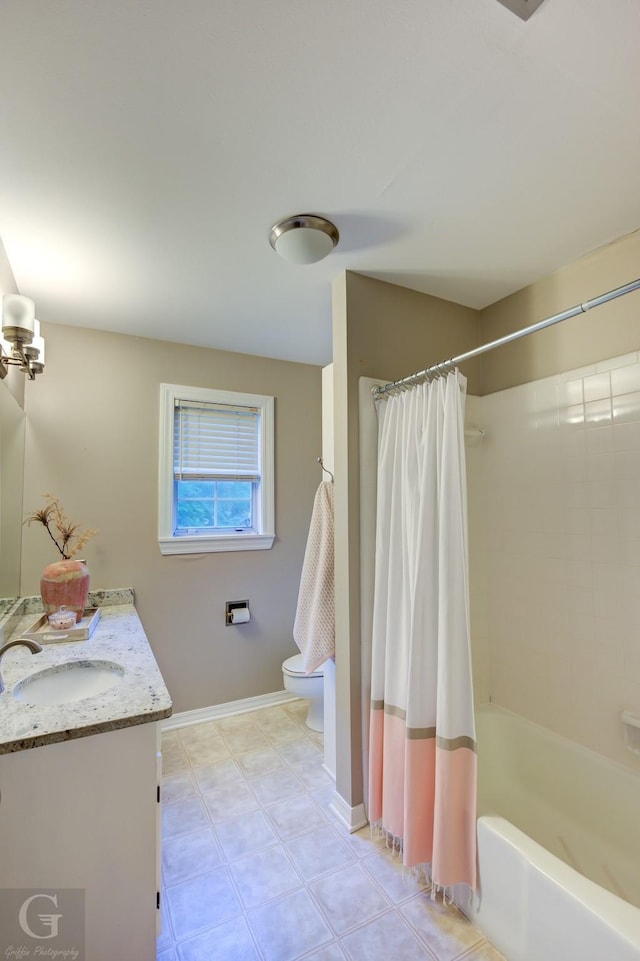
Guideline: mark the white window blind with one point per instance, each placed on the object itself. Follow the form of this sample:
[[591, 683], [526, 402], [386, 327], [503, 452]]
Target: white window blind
[[216, 442]]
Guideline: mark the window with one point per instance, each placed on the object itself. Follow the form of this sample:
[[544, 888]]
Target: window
[[216, 471]]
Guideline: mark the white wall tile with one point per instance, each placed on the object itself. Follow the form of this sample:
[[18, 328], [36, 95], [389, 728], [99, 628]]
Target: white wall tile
[[626, 407], [605, 548], [627, 491], [626, 436], [559, 510], [623, 360], [602, 494], [598, 412], [627, 464], [577, 520], [577, 493], [578, 573], [630, 551], [570, 418], [625, 379], [570, 392], [578, 546], [597, 387], [573, 469], [601, 469], [630, 522], [574, 442], [599, 440], [603, 521], [577, 373]]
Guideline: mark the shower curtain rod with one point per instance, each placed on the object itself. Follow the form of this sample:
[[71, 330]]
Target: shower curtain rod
[[446, 365]]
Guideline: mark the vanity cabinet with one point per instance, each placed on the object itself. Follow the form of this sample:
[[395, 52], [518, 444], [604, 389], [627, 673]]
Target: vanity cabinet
[[84, 813]]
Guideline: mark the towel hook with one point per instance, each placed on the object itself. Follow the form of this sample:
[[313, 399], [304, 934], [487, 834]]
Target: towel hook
[[325, 469]]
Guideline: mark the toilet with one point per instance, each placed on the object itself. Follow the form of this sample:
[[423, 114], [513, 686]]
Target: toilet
[[308, 686]]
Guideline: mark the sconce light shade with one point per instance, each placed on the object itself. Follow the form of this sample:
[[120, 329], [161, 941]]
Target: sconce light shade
[[35, 350], [21, 343], [304, 239], [38, 362], [18, 318]]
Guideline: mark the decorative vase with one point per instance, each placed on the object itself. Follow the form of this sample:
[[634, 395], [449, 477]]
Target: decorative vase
[[65, 583]]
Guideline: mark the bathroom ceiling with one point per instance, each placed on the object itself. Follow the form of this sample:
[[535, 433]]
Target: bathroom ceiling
[[148, 146]]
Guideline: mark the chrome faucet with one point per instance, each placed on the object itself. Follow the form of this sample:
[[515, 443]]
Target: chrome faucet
[[33, 646]]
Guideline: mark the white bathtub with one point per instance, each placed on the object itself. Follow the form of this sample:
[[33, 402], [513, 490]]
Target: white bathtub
[[542, 798]]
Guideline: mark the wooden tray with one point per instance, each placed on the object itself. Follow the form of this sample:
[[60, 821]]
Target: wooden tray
[[41, 630]]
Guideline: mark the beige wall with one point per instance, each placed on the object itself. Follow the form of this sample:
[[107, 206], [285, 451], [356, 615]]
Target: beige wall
[[7, 280], [14, 381], [379, 330], [604, 332], [12, 420], [11, 459], [394, 331], [92, 439]]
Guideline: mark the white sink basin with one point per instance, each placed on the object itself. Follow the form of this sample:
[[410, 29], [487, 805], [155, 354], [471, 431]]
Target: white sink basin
[[68, 682]]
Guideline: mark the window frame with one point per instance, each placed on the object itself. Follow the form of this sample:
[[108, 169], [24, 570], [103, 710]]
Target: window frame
[[171, 543]]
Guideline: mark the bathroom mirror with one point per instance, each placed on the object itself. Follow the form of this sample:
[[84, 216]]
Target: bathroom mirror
[[12, 430]]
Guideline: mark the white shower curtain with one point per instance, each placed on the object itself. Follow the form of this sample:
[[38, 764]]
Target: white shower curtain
[[422, 761]]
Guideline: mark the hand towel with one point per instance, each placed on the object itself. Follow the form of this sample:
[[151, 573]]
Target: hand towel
[[314, 627]]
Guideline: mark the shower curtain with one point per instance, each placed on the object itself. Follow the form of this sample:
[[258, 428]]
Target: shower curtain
[[422, 756]]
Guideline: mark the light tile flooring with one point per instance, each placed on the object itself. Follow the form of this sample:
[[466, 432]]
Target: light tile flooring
[[256, 868]]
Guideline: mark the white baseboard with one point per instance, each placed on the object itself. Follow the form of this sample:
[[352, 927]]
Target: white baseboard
[[353, 818], [332, 774], [202, 714]]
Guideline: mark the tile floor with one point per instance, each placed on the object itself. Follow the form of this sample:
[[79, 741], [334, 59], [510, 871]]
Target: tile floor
[[256, 868]]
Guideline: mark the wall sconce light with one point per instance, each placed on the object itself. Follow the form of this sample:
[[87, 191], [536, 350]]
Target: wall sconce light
[[304, 239], [21, 343]]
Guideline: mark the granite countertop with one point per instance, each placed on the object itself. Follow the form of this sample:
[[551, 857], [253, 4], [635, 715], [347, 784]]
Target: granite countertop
[[140, 697]]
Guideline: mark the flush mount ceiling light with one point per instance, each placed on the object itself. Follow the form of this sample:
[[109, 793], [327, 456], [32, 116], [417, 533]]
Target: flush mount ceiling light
[[304, 239], [522, 8]]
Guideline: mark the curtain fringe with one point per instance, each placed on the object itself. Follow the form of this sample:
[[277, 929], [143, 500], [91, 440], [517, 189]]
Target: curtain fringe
[[422, 873]]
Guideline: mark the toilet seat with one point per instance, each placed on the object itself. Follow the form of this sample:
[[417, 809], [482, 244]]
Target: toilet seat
[[294, 667]]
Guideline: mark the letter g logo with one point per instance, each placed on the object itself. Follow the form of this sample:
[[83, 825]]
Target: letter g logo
[[48, 921]]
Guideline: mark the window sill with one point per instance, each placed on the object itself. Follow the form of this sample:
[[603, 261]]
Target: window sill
[[204, 544]]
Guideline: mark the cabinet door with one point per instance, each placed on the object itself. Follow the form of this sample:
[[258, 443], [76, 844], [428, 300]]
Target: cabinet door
[[158, 829], [82, 814]]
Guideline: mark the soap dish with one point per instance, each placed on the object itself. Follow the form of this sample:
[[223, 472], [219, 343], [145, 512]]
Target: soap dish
[[62, 620], [631, 731]]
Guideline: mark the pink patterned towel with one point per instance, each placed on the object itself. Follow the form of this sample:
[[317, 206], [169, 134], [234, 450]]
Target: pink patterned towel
[[314, 627]]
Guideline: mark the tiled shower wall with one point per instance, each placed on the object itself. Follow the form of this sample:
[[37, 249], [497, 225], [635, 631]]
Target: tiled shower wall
[[554, 520]]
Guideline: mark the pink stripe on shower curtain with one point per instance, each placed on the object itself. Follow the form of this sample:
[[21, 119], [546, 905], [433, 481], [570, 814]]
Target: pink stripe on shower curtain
[[422, 754]]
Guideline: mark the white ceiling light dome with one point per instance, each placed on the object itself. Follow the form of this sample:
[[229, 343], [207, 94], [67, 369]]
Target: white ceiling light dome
[[304, 238]]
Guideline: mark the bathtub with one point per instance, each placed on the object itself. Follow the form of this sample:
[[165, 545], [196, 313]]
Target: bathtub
[[558, 846]]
